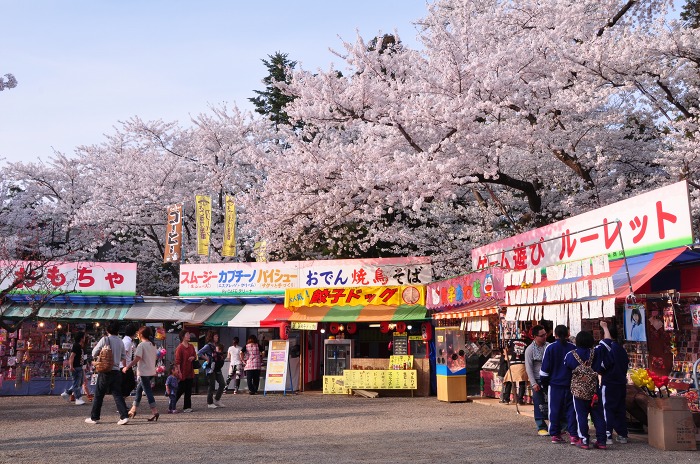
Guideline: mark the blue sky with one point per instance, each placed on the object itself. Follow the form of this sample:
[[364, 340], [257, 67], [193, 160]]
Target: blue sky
[[84, 65]]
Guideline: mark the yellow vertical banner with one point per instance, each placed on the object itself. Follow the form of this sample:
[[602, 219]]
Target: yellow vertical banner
[[260, 251], [203, 215], [173, 234], [229, 246]]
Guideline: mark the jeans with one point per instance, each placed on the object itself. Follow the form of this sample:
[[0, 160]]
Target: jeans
[[212, 379], [185, 388], [234, 373], [144, 386], [253, 377], [540, 408], [172, 401], [110, 382], [77, 387]]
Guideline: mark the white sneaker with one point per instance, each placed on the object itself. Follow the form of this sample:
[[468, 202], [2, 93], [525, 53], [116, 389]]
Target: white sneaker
[[609, 441], [219, 404], [79, 402], [187, 410], [90, 421], [212, 406], [65, 396], [621, 439], [123, 421]]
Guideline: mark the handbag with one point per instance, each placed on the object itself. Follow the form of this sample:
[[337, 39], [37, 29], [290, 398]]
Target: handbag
[[195, 364]]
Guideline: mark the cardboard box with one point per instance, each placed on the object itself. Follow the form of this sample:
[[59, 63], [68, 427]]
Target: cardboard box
[[671, 425]]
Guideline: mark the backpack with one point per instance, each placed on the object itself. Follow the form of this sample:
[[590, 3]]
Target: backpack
[[105, 359], [584, 380]]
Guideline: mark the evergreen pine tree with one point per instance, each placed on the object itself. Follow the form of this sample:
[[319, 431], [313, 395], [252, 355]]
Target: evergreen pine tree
[[272, 101], [691, 13]]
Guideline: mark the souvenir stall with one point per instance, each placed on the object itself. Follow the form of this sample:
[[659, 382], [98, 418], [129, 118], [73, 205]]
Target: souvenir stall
[[470, 303], [588, 267], [33, 358]]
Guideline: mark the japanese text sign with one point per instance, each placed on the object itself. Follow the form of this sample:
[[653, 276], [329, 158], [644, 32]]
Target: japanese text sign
[[354, 296], [465, 289], [203, 218], [173, 234], [273, 278], [653, 221], [228, 247], [83, 278]]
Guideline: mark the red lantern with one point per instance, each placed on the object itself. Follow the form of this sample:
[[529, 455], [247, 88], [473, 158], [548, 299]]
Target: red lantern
[[351, 328], [384, 327], [334, 328], [401, 326], [426, 331], [284, 330]]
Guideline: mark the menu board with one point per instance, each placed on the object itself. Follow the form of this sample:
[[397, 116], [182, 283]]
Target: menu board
[[276, 373], [381, 380], [400, 343], [334, 385]]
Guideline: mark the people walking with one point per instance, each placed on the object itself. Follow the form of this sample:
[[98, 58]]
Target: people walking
[[235, 369], [613, 369], [556, 380], [145, 358], [516, 373], [75, 361], [109, 381], [533, 362], [209, 350], [253, 362], [185, 354]]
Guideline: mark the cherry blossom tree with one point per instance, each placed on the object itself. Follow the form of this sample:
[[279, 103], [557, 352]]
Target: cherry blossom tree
[[513, 115]]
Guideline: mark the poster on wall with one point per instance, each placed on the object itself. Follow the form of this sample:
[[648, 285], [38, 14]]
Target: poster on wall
[[669, 318], [695, 315], [634, 323]]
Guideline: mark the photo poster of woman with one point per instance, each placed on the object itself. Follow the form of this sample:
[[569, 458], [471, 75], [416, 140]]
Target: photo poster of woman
[[634, 323], [669, 325], [695, 315]]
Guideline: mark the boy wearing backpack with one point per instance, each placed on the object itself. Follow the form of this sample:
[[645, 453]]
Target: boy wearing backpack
[[585, 391]]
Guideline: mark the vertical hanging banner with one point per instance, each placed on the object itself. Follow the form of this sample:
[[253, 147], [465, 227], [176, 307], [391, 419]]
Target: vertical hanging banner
[[173, 234], [229, 246], [203, 215], [260, 251]]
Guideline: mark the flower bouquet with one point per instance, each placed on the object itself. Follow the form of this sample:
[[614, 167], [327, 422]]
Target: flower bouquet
[[650, 383]]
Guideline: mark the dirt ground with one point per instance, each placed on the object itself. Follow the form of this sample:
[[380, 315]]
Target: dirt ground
[[296, 428]]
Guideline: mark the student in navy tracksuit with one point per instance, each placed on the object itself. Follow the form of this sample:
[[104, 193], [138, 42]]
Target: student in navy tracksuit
[[556, 380], [613, 366], [583, 407]]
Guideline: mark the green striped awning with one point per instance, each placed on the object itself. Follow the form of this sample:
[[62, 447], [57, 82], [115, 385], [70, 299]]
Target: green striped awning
[[222, 315], [365, 313], [93, 312]]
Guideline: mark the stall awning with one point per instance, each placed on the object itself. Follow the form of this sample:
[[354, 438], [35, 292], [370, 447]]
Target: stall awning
[[196, 314], [363, 313], [476, 309], [94, 312], [641, 269], [222, 315], [156, 312], [260, 315]]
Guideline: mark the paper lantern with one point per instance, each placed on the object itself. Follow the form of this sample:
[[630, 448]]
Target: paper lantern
[[284, 330], [334, 328], [426, 331], [401, 326], [384, 327], [351, 328]]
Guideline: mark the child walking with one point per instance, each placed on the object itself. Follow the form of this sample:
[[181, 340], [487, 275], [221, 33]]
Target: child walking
[[171, 388]]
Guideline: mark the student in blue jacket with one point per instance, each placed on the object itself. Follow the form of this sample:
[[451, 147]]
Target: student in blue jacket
[[588, 403], [613, 366], [556, 380]]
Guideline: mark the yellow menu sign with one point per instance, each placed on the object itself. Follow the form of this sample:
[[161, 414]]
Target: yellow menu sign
[[381, 380], [334, 385], [400, 360]]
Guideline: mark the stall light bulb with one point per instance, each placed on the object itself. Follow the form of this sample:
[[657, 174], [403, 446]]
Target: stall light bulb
[[341, 327], [323, 331], [97, 324], [409, 327], [59, 326], [41, 324]]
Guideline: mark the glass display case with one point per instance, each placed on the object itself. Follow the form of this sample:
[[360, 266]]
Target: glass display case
[[337, 356], [451, 365]]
